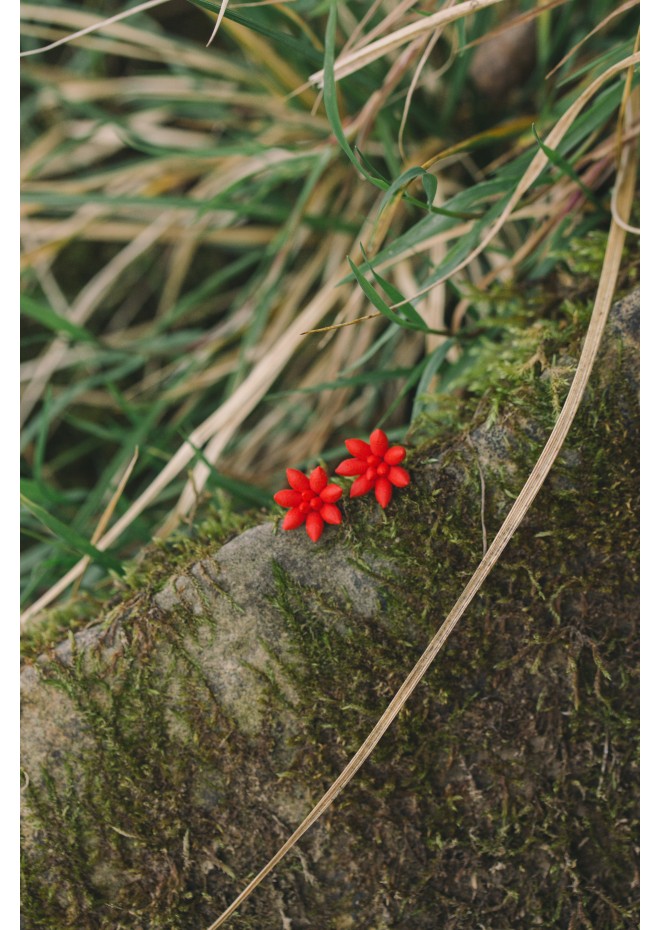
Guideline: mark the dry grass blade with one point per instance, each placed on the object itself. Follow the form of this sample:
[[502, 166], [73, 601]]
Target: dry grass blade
[[221, 13], [601, 25], [624, 125], [430, 45], [507, 24], [223, 422], [53, 593], [328, 329], [354, 61], [625, 189], [106, 516], [123, 39], [141, 8], [358, 40], [119, 490], [85, 305]]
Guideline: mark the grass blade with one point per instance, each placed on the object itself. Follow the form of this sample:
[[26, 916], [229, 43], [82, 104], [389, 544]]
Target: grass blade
[[70, 537]]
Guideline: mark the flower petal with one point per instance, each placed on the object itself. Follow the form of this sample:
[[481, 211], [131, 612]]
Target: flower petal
[[378, 442], [358, 448], [331, 493], [351, 467], [314, 525], [297, 480], [330, 514], [395, 455], [399, 476], [383, 491], [287, 498], [293, 519], [362, 486], [318, 479]]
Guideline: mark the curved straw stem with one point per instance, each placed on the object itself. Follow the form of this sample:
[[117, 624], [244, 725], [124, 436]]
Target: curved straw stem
[[624, 188], [101, 24]]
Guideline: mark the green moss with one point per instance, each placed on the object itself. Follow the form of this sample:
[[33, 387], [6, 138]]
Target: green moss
[[146, 575], [132, 810], [505, 795], [518, 753]]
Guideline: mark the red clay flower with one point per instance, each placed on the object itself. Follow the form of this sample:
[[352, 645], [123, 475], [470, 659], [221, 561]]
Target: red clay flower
[[312, 501], [377, 465]]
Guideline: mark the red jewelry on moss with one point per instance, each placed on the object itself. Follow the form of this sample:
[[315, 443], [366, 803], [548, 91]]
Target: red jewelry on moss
[[311, 501], [377, 465]]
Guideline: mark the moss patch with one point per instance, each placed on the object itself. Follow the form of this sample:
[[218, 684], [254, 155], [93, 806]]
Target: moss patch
[[505, 795], [145, 575]]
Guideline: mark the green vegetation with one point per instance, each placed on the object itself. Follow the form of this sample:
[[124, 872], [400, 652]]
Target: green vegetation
[[189, 213], [230, 266]]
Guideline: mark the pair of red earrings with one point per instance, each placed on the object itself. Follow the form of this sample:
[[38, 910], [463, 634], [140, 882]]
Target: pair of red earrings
[[376, 465]]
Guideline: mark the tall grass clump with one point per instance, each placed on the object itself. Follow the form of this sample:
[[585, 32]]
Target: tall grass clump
[[234, 255]]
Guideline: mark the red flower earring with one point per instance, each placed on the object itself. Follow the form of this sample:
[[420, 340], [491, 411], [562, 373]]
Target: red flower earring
[[377, 465], [311, 501]]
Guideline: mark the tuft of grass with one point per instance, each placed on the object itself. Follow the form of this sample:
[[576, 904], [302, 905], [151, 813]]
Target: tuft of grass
[[189, 212]]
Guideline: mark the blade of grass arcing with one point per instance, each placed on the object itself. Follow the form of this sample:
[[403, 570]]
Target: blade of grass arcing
[[330, 91], [221, 13], [96, 26], [602, 302], [280, 39], [334, 118], [430, 45], [140, 8], [122, 39]]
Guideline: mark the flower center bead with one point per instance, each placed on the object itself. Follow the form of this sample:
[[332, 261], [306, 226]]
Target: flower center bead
[[304, 507], [373, 460], [316, 504], [307, 495], [370, 473], [383, 470]]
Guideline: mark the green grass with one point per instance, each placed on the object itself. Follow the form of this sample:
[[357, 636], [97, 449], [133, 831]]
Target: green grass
[[189, 212]]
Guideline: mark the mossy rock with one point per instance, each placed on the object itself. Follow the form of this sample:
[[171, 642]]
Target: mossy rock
[[172, 746]]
